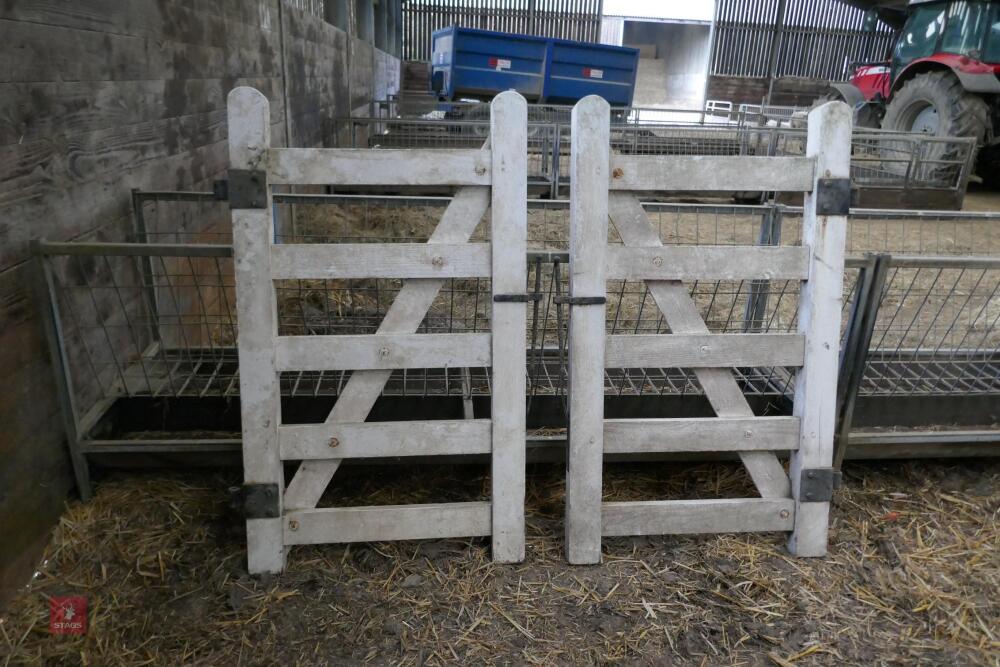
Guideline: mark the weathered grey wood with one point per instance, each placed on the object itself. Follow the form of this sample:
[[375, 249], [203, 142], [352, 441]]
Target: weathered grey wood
[[260, 400], [387, 522], [703, 350], [682, 316], [381, 351], [588, 240], [712, 434], [346, 440], [379, 260], [680, 517], [457, 224], [711, 172], [829, 142], [349, 166], [690, 263], [509, 231]]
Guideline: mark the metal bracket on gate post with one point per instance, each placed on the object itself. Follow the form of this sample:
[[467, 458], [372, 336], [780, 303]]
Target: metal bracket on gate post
[[580, 300], [247, 188], [220, 189], [817, 484], [833, 196], [260, 501]]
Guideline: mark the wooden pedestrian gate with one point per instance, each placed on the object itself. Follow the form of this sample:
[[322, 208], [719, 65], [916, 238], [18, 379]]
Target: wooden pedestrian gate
[[797, 502], [493, 178]]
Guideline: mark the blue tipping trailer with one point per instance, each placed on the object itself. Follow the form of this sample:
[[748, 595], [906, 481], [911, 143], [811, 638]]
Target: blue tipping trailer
[[478, 64]]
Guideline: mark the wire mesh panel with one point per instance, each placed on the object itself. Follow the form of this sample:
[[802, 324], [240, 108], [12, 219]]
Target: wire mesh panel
[[144, 319], [937, 330]]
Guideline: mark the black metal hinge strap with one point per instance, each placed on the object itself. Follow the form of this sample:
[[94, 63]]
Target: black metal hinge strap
[[247, 188], [816, 485], [833, 196], [260, 501], [580, 300]]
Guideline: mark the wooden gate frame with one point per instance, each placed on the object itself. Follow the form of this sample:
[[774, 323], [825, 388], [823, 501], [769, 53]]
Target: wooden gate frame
[[493, 177], [797, 502]]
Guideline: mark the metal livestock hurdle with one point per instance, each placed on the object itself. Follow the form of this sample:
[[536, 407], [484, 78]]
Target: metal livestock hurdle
[[799, 502], [888, 169], [130, 400], [493, 177]]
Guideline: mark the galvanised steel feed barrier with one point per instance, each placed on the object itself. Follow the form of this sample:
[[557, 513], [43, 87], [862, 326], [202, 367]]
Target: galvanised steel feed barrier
[[126, 396], [888, 169]]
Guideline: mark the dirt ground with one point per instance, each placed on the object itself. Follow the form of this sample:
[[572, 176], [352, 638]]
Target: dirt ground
[[911, 578]]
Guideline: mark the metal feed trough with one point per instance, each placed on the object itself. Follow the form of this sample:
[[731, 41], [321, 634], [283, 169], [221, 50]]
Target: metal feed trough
[[143, 333], [888, 169]]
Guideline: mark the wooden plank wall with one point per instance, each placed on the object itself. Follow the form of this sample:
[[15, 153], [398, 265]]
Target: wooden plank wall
[[747, 90], [100, 96]]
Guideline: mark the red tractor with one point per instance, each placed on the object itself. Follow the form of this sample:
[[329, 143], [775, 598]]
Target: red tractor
[[943, 78]]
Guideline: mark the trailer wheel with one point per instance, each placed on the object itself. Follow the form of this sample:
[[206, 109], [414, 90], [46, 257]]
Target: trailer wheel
[[935, 103]]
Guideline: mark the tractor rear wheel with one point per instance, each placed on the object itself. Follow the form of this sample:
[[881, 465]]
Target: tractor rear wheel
[[936, 104]]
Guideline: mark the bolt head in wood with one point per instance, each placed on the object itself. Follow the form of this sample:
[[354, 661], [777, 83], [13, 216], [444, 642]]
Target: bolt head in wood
[[334, 442], [784, 514], [293, 525]]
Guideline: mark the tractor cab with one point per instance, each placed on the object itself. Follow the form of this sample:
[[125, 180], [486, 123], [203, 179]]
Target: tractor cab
[[942, 78], [960, 35]]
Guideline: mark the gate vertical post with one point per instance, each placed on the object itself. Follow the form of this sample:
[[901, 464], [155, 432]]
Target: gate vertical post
[[250, 202], [824, 230], [508, 234], [589, 180]]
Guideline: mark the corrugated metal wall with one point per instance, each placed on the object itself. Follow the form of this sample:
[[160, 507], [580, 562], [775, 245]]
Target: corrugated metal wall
[[817, 40], [568, 19]]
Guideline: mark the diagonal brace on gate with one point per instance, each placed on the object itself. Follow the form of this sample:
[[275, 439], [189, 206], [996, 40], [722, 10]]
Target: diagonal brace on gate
[[404, 316], [682, 316]]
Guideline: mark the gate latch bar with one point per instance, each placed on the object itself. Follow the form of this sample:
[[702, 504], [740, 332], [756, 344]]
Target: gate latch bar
[[817, 484], [247, 188], [260, 501], [833, 196], [516, 298], [580, 300]]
